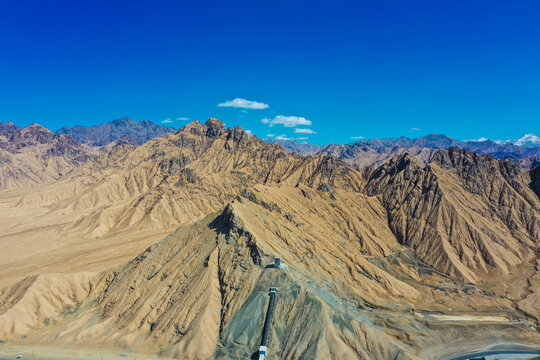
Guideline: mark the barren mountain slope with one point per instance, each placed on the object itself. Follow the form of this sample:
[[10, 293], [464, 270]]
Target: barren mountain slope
[[141, 193], [34, 154], [463, 213], [375, 260], [202, 292]]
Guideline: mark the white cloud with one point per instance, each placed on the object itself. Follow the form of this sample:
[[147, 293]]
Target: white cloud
[[282, 137], [182, 119], [167, 121], [482, 139], [270, 135], [288, 121], [415, 129], [302, 138], [248, 132], [357, 137], [304, 131], [244, 104]]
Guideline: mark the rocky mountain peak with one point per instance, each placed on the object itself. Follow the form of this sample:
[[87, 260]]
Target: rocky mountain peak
[[35, 133], [403, 163], [8, 127], [36, 125], [477, 171], [214, 127], [214, 122], [195, 124], [238, 134], [17, 138], [456, 157], [123, 121]]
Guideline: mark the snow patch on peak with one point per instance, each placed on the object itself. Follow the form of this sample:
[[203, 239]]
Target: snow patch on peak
[[528, 140]]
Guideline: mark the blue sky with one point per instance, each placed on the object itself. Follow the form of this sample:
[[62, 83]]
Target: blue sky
[[369, 69]]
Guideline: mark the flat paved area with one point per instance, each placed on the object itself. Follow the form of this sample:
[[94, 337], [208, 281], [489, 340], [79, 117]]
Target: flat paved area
[[502, 355], [10, 352]]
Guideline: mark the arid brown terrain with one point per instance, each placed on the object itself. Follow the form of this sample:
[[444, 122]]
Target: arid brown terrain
[[165, 248], [35, 154]]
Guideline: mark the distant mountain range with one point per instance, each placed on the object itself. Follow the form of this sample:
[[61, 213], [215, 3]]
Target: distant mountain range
[[302, 148], [527, 140], [36, 154], [119, 131], [128, 131], [373, 152]]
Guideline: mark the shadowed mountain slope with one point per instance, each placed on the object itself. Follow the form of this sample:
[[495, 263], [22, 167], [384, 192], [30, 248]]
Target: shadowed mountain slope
[[535, 180]]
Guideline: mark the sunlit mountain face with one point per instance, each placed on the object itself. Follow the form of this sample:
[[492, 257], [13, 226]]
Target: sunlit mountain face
[[296, 180], [388, 248]]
